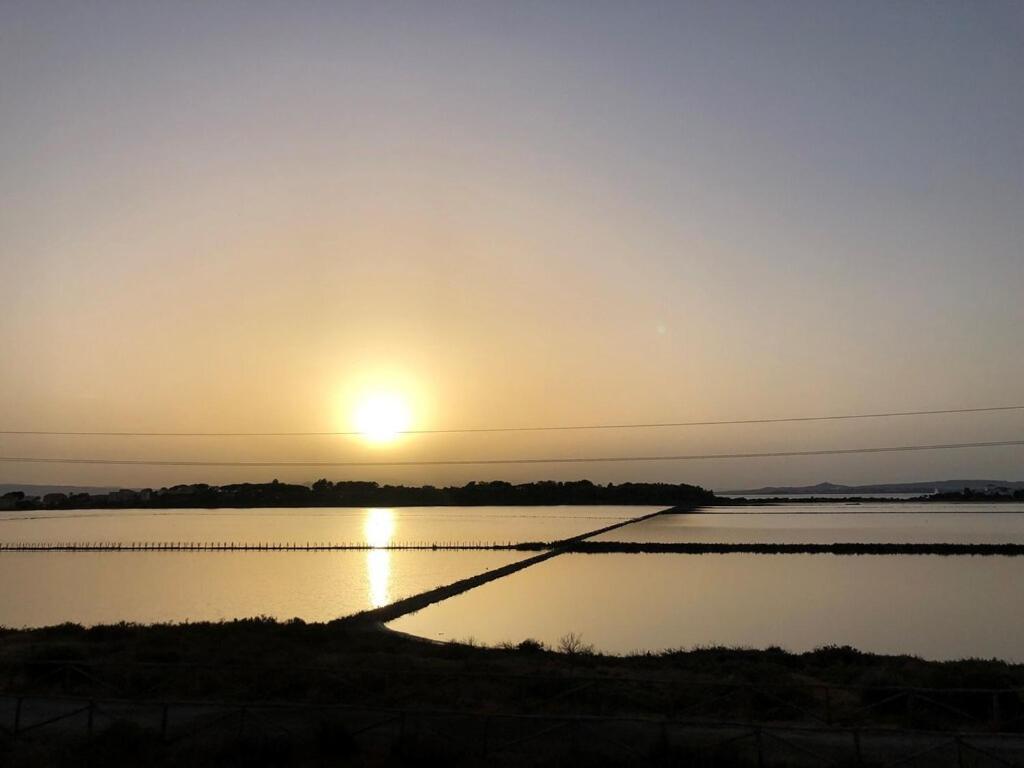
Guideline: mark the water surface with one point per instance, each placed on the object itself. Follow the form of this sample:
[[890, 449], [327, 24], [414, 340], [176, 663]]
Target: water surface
[[935, 607], [929, 523], [42, 589], [337, 525]]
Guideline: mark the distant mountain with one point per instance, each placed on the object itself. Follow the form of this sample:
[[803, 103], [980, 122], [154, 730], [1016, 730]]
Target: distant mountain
[[823, 489], [39, 490]]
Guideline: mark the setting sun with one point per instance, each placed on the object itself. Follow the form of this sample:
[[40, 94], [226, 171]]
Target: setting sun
[[382, 416]]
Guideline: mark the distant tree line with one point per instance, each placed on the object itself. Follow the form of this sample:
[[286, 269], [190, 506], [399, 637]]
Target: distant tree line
[[349, 493], [988, 494]]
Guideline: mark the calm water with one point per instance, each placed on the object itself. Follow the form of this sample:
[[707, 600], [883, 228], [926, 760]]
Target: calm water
[[935, 607], [99, 588], [828, 523], [377, 527]]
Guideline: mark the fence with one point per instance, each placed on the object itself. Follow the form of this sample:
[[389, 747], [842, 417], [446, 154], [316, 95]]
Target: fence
[[172, 729], [938, 709], [232, 546], [576, 544]]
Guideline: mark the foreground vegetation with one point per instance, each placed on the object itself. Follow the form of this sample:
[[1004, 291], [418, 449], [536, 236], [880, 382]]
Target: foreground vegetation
[[290, 647], [357, 665]]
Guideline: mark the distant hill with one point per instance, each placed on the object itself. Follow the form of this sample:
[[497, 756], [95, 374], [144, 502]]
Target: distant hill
[[822, 489], [39, 490]]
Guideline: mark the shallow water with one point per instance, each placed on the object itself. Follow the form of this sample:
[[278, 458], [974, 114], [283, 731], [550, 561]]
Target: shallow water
[[373, 526], [41, 589], [830, 523], [935, 607]]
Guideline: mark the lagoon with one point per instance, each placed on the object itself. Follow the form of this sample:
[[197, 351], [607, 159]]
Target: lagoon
[[829, 523], [934, 607], [41, 589], [337, 525]]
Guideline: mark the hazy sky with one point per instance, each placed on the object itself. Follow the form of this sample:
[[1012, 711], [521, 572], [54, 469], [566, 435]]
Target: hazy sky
[[238, 216]]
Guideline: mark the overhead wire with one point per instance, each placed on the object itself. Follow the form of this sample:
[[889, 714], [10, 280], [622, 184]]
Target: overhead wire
[[550, 428], [550, 460]]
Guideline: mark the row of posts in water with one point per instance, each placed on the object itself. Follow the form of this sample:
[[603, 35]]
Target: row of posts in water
[[231, 546]]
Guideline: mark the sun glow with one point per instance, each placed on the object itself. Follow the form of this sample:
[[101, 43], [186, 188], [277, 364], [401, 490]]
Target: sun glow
[[379, 527], [382, 416]]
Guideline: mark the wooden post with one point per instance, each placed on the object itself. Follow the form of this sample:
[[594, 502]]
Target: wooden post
[[163, 723], [663, 742], [401, 731], [856, 748], [17, 716], [760, 747]]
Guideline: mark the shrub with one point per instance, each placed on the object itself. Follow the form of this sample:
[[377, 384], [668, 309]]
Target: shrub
[[529, 645], [573, 645]]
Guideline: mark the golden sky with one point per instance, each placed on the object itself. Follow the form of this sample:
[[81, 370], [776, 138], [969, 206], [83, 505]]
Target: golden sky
[[246, 217]]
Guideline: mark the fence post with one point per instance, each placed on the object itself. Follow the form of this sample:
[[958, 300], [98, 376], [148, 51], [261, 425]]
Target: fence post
[[828, 705], [17, 715], [401, 728], [163, 723], [997, 715], [483, 739], [858, 754], [959, 751], [241, 721], [760, 747], [89, 717]]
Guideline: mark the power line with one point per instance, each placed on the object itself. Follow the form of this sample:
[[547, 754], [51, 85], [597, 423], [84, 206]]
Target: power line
[[556, 428], [466, 462]]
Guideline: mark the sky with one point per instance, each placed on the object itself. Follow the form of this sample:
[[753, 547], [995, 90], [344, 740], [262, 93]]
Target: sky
[[250, 216]]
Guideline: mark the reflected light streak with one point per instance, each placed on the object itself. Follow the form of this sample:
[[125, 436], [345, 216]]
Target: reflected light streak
[[378, 528], [378, 573]]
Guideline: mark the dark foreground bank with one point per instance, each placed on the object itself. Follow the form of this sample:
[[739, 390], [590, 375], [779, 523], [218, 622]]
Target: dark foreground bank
[[260, 692]]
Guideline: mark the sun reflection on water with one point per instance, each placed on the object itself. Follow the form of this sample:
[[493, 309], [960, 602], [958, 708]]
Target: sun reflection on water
[[378, 528]]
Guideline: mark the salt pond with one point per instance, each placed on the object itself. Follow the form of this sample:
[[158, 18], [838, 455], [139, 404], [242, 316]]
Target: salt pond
[[935, 607], [830, 523]]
